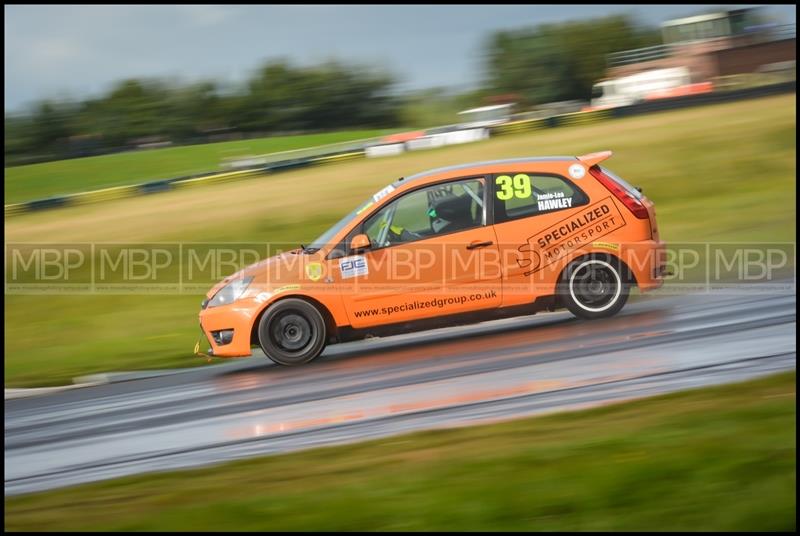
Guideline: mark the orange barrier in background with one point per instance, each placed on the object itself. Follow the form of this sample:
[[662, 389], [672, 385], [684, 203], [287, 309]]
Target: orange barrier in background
[[403, 136], [681, 91]]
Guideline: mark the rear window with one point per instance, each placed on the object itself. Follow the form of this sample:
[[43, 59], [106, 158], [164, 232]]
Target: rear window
[[520, 195], [636, 194]]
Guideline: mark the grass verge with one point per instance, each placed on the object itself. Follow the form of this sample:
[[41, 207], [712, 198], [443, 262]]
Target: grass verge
[[37, 181], [720, 458]]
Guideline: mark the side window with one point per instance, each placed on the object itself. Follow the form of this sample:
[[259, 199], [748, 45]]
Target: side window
[[435, 210], [521, 195]]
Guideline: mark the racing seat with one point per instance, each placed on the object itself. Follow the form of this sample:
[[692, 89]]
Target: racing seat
[[456, 214]]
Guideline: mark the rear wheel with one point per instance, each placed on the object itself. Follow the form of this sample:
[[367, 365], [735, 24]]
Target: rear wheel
[[292, 332], [594, 288]]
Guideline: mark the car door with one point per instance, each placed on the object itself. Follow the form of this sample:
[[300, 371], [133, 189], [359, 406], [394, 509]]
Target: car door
[[431, 254], [526, 205]]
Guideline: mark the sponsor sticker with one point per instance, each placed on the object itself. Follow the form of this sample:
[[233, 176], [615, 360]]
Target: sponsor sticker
[[353, 266], [606, 245], [383, 193], [365, 207], [583, 228], [314, 271], [285, 288], [264, 296], [577, 171], [552, 201]]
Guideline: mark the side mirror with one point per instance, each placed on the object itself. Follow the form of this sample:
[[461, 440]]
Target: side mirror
[[360, 242]]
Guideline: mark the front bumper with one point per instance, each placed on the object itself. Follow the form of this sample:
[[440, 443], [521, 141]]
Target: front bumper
[[214, 322]]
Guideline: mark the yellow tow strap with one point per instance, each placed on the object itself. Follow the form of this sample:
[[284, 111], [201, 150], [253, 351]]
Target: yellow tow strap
[[198, 353]]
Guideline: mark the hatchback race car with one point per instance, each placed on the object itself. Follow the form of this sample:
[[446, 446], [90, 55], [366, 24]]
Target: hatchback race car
[[451, 245]]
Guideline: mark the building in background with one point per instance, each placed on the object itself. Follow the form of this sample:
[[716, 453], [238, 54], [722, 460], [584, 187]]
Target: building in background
[[696, 53]]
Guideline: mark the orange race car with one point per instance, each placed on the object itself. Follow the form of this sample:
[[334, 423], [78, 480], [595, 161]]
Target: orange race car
[[451, 245]]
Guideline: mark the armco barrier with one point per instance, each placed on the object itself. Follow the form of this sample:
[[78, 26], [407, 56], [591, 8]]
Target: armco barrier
[[514, 127], [339, 157], [216, 178], [106, 194]]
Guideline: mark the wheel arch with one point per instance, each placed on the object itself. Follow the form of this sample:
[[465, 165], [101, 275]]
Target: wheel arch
[[330, 322]]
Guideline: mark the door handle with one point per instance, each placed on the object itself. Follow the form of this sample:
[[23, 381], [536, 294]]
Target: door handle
[[476, 245]]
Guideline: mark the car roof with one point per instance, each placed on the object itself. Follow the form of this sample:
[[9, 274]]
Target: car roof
[[446, 169], [588, 160]]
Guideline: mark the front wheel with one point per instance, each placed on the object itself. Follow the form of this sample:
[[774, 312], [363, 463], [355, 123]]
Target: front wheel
[[292, 332], [594, 288]]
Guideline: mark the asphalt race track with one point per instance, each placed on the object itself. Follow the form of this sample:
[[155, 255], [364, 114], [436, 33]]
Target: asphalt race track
[[378, 387]]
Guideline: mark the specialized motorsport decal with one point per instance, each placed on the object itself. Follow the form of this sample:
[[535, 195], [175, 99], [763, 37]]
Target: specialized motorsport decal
[[591, 223], [314, 271], [353, 266]]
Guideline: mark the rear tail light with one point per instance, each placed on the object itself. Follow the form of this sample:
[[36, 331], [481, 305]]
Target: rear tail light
[[633, 204]]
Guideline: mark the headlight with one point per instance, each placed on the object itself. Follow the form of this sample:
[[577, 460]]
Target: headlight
[[230, 292]]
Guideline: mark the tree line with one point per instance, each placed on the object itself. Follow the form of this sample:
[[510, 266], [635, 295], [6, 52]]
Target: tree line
[[279, 98], [537, 65]]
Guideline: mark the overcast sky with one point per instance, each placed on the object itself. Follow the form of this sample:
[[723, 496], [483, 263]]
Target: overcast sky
[[77, 51]]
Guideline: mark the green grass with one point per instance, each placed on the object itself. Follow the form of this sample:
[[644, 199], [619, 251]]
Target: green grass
[[37, 181], [713, 459], [716, 173]]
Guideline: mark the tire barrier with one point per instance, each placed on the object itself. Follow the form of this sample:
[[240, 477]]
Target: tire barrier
[[581, 118], [526, 125], [514, 127]]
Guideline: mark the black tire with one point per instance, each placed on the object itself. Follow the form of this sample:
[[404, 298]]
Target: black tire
[[292, 332], [593, 287]]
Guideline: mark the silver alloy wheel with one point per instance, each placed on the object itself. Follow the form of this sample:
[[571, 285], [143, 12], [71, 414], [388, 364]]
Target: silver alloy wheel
[[595, 285]]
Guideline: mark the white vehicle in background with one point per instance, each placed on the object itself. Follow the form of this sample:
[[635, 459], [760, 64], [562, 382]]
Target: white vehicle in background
[[485, 116], [647, 85]]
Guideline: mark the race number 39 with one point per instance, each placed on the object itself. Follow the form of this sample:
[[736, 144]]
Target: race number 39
[[519, 186]]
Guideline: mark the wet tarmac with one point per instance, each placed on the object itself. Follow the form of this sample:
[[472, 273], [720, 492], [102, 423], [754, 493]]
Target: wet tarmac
[[449, 377]]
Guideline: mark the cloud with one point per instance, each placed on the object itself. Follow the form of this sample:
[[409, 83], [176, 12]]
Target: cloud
[[206, 15], [53, 50], [84, 49]]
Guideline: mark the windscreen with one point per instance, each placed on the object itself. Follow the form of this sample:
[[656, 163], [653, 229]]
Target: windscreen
[[328, 235]]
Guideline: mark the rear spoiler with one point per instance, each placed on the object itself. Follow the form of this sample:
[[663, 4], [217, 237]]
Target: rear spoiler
[[591, 159]]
